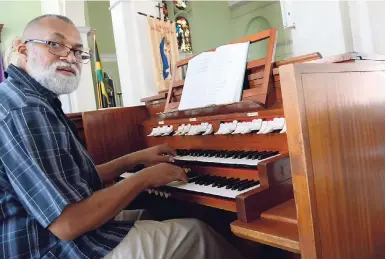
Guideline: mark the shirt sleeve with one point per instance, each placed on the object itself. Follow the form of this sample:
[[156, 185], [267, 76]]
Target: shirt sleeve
[[35, 153]]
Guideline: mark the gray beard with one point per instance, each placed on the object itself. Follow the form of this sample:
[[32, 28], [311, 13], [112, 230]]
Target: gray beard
[[50, 79]]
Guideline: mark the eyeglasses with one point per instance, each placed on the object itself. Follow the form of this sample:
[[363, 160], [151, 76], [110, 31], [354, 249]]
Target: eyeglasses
[[61, 50]]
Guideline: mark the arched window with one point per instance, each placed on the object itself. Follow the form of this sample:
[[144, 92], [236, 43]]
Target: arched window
[[183, 35], [180, 4]]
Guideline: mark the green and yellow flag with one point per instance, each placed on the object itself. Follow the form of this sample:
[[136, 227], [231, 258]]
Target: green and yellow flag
[[103, 99]]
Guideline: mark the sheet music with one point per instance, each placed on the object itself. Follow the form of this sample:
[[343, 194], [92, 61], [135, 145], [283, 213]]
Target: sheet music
[[227, 70], [215, 77], [195, 81]]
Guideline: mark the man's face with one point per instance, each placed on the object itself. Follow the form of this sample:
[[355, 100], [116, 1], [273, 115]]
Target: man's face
[[61, 75]]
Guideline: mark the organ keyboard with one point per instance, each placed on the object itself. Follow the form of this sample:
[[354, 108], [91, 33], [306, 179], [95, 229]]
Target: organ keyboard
[[239, 162], [220, 186]]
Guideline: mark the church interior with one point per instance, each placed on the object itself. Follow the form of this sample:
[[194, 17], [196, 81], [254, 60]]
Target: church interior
[[310, 107]]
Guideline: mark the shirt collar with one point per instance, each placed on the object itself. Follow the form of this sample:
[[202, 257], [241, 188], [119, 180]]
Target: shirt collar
[[28, 82]]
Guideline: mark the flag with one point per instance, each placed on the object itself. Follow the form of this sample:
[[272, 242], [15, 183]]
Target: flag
[[2, 77], [103, 98], [164, 47]]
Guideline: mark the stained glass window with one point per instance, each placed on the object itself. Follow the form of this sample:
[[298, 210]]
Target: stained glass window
[[165, 10], [180, 4], [183, 35]]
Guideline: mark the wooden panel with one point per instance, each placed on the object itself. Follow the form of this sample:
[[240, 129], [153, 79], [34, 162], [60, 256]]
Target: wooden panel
[[155, 97], [112, 133], [251, 204], [285, 212], [256, 63], [210, 201], [336, 132], [76, 118], [179, 83], [273, 141], [256, 83], [298, 59], [270, 232], [242, 116], [256, 75]]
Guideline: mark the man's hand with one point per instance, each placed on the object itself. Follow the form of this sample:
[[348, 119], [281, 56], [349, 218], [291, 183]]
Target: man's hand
[[162, 174], [157, 154]]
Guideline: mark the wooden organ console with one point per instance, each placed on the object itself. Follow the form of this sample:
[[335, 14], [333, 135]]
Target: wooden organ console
[[240, 155]]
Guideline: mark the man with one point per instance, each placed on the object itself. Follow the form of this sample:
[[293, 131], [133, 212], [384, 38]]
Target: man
[[52, 203]]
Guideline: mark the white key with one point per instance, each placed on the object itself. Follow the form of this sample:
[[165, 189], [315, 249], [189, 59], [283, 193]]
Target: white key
[[278, 123], [256, 124], [262, 128], [168, 130], [247, 128], [186, 129], [268, 128], [222, 192], [239, 128], [284, 130], [221, 129], [209, 130], [152, 132]]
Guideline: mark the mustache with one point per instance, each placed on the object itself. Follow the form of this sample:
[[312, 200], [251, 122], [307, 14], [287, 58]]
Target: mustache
[[63, 64]]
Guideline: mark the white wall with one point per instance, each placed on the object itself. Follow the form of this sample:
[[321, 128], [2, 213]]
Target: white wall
[[318, 28], [84, 96], [133, 49], [376, 11], [336, 27]]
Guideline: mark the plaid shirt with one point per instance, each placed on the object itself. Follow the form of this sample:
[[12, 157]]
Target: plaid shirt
[[43, 168]]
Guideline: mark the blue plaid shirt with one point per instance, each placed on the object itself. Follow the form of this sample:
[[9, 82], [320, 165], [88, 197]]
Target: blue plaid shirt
[[43, 168]]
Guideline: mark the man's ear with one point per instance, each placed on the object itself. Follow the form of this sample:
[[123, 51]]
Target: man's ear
[[20, 48]]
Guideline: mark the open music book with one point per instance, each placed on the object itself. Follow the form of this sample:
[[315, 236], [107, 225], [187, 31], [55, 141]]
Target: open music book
[[215, 78]]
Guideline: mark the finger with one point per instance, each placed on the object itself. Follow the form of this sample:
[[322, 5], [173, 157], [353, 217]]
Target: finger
[[166, 158], [168, 149], [182, 176]]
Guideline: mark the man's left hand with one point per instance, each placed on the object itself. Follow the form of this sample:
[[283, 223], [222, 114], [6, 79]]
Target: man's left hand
[[157, 154]]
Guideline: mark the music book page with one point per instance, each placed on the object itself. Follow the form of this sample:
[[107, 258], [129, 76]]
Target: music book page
[[215, 78], [195, 81]]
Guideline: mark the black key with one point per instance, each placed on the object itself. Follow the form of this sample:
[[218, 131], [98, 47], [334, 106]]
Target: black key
[[230, 186], [228, 182], [210, 180], [219, 180], [245, 184], [196, 179], [225, 181], [248, 185], [236, 186]]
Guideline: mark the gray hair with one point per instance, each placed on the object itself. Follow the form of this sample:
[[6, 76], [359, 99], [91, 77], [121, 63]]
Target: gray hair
[[56, 16]]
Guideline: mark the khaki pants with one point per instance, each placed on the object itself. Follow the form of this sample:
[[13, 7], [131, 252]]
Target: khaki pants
[[171, 239]]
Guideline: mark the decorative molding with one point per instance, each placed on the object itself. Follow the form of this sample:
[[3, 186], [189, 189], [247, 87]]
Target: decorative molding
[[108, 57], [236, 3], [1, 28], [85, 29], [284, 43], [114, 3]]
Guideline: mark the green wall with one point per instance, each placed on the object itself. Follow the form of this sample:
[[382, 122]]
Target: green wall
[[15, 15], [98, 17], [214, 23]]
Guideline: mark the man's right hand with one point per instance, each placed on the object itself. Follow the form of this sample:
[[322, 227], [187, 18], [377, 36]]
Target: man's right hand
[[162, 174]]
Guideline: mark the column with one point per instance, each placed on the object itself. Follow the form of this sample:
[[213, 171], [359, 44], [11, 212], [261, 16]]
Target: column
[[83, 99], [134, 58]]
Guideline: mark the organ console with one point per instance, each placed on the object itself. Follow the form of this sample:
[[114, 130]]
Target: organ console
[[240, 156]]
